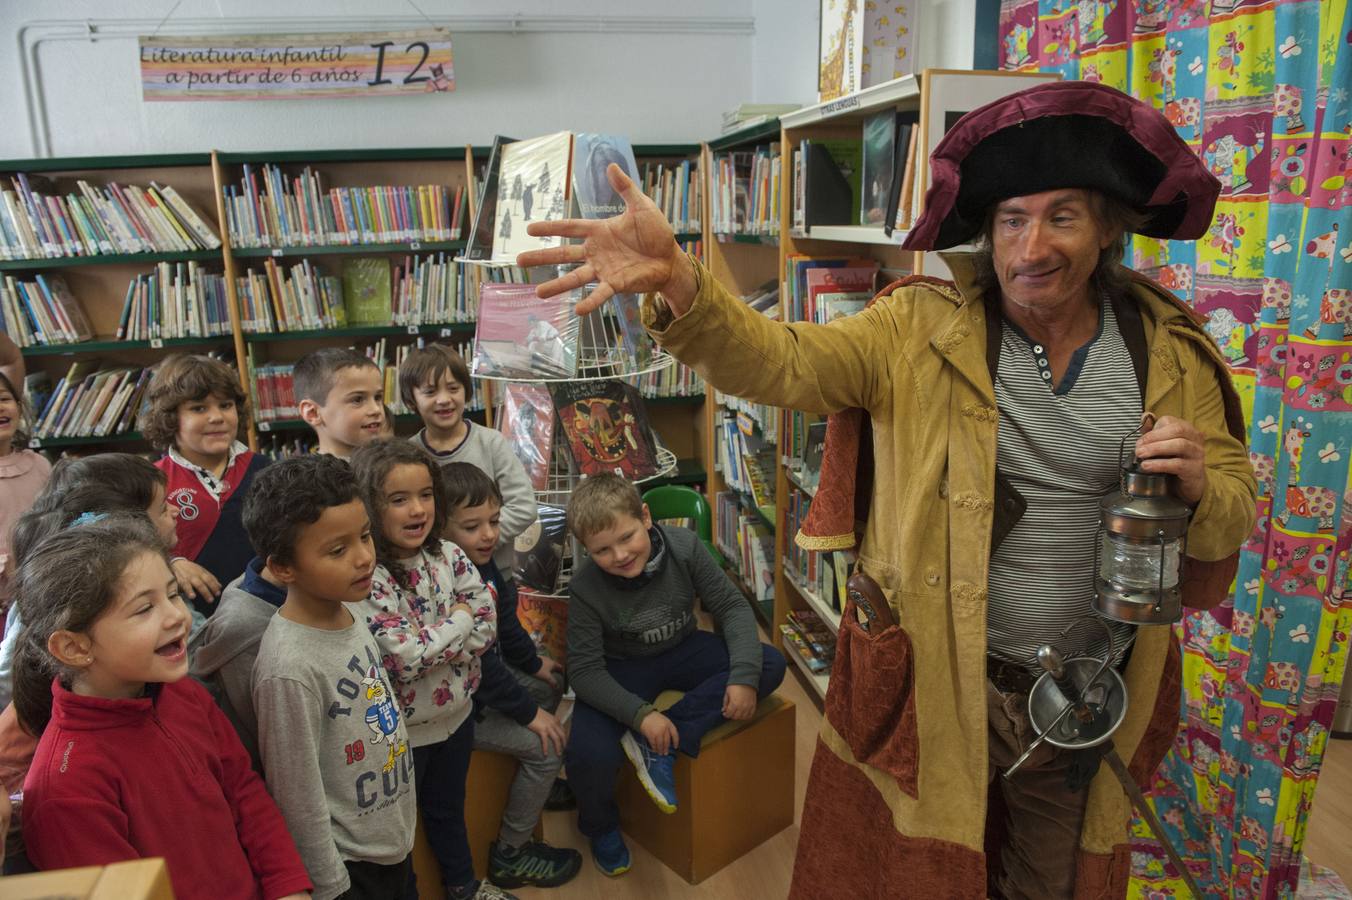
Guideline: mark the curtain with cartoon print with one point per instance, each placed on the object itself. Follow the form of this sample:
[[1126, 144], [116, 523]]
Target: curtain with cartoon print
[[1261, 91]]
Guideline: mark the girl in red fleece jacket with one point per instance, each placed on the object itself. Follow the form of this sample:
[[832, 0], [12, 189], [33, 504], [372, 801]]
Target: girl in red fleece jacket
[[134, 760]]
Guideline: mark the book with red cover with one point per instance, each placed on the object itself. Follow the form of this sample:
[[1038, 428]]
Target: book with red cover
[[844, 280], [607, 428], [528, 425], [521, 336]]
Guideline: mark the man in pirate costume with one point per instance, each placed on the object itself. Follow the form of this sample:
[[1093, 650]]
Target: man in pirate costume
[[982, 417]]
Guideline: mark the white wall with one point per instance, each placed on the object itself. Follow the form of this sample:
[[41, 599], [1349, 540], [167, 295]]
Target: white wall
[[666, 86]]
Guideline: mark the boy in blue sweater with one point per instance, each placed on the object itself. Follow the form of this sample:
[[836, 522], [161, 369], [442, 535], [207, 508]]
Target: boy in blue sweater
[[516, 698], [632, 635]]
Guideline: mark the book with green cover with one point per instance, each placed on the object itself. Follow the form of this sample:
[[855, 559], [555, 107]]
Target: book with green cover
[[366, 291], [848, 155]]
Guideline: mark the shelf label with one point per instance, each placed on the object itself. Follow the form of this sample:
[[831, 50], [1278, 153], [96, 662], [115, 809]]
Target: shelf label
[[157, 343], [416, 245], [413, 329], [446, 332], [35, 443], [264, 426], [276, 251], [844, 103]]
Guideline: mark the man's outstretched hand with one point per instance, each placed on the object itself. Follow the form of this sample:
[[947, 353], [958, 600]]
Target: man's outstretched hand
[[632, 253]]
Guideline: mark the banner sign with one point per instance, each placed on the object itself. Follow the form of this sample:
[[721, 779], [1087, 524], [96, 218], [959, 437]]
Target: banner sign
[[295, 66]]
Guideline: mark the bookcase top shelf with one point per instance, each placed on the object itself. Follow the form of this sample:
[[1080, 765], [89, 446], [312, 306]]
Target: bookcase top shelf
[[125, 437], [359, 331], [79, 163], [855, 234], [769, 240], [108, 259], [303, 157], [871, 99], [108, 344], [335, 249], [759, 133]]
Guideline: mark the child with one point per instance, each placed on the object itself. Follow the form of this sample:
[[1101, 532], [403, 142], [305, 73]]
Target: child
[[339, 392], [194, 413], [106, 483], [435, 382], [331, 738], [516, 699], [134, 760], [23, 472], [632, 635], [432, 616]]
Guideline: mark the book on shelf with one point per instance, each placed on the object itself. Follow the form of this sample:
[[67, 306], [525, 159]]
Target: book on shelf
[[814, 448], [750, 114], [532, 186], [539, 550], [888, 41], [678, 380], [760, 473], [527, 421], [592, 156], [748, 545], [301, 297], [41, 311], [813, 632], [835, 292], [907, 200], [745, 193], [270, 208], [879, 156], [519, 335], [480, 242], [794, 643], [176, 300], [832, 181], [796, 267], [863, 43], [545, 619], [677, 190], [427, 290], [36, 221], [606, 428], [366, 291], [92, 401]]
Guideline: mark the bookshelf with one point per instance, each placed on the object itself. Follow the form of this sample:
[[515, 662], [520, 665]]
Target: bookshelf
[[935, 97]]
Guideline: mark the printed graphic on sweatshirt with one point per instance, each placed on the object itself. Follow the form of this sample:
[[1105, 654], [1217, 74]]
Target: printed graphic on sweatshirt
[[186, 501], [656, 624], [381, 779]]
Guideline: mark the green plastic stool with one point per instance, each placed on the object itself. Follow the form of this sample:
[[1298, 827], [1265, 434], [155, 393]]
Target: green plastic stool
[[674, 501]]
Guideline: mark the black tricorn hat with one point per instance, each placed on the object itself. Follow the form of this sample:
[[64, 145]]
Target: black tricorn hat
[[1068, 134]]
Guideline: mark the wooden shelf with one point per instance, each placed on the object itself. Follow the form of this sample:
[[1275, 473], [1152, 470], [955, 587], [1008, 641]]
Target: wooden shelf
[[443, 329], [108, 259], [796, 480], [337, 249], [107, 344], [819, 681], [74, 163], [768, 240], [688, 471], [125, 437], [854, 234], [871, 99], [758, 133]]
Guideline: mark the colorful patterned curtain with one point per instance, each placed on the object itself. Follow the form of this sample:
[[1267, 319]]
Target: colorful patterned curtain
[[1261, 91]]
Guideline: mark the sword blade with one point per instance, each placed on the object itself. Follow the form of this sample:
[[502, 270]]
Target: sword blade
[[1114, 761]]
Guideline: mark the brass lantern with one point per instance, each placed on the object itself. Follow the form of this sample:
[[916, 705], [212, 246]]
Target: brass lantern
[[1142, 541]]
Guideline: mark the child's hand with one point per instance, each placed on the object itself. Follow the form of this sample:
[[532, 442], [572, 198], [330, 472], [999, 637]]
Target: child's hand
[[196, 581], [739, 702], [547, 669], [548, 730], [660, 734], [459, 606]]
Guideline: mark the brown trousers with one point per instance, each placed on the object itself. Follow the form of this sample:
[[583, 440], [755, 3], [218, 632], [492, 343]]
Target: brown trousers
[[1043, 817]]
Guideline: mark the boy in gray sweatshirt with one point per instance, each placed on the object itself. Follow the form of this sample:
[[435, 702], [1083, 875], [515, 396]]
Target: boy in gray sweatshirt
[[632, 635], [333, 744]]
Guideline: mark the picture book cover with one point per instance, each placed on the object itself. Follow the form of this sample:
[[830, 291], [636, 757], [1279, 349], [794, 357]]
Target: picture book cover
[[539, 550], [840, 57], [845, 279], [528, 424], [606, 427], [878, 160], [546, 621], [480, 244], [532, 185], [888, 41], [518, 335], [813, 448], [592, 155], [366, 290]]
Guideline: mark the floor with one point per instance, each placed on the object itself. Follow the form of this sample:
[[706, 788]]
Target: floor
[[765, 872]]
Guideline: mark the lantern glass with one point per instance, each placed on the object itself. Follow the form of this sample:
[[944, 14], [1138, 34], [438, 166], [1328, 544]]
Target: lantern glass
[[1136, 565]]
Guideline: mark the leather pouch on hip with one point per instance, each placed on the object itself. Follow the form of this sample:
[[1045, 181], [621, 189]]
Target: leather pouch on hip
[[871, 701]]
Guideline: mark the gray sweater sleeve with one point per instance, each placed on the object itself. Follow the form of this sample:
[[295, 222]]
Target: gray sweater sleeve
[[587, 672], [519, 509], [288, 738], [732, 612]]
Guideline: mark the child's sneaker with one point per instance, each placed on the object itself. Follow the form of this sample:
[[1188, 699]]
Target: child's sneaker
[[533, 864], [610, 854], [654, 771], [489, 891]]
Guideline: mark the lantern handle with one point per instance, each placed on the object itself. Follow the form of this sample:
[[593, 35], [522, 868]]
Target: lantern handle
[[1147, 424]]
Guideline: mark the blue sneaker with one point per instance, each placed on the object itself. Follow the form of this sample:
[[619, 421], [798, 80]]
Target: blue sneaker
[[654, 771], [610, 854]]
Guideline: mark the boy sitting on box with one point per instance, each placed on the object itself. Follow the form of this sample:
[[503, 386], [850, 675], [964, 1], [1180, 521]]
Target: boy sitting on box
[[632, 635]]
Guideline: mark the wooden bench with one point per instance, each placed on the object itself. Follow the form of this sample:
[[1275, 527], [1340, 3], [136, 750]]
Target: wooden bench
[[486, 787], [736, 795]]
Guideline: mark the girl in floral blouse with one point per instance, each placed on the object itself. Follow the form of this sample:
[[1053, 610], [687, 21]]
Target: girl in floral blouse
[[433, 616]]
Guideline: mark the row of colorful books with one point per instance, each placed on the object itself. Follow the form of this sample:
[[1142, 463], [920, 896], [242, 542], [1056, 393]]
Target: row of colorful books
[[603, 423], [177, 300], [804, 446], [677, 380], [746, 191], [820, 573], [748, 544], [858, 181], [36, 221], [750, 415], [825, 288], [746, 459], [270, 208], [675, 188], [90, 401], [42, 311], [804, 634]]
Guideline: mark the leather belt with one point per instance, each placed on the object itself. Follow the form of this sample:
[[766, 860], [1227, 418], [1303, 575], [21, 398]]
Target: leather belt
[[1009, 678]]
